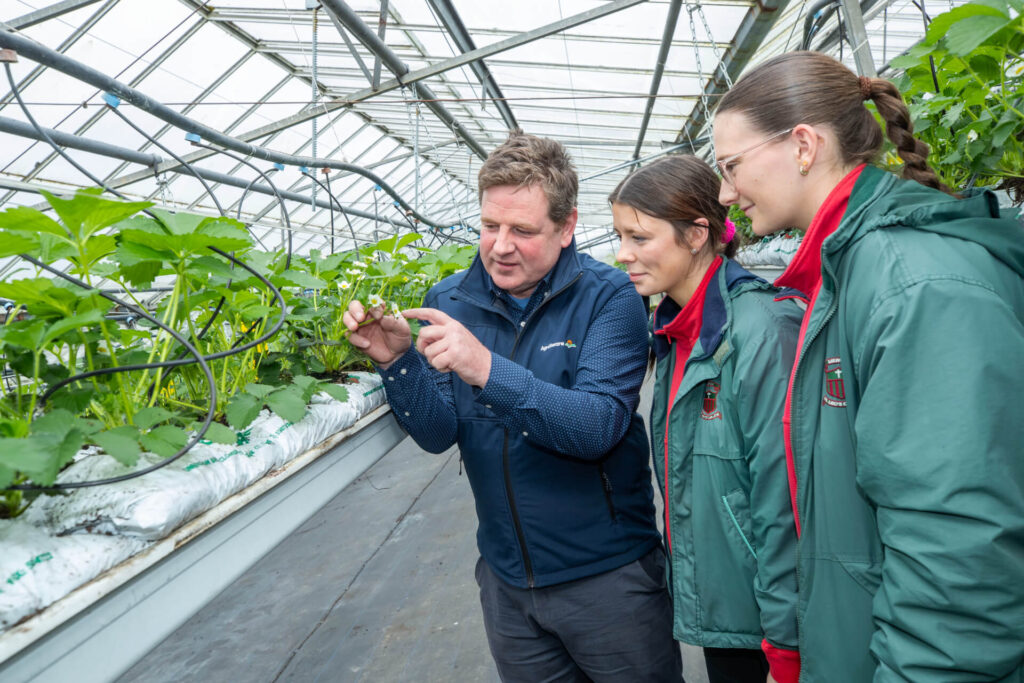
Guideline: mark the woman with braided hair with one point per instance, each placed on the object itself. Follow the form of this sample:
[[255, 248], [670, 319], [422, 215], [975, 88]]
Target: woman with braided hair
[[903, 423]]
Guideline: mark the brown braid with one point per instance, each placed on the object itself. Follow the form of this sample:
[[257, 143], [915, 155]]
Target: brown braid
[[900, 130]]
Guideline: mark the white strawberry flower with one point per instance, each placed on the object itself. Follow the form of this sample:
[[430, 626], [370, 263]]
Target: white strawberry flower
[[344, 284], [375, 300], [972, 135]]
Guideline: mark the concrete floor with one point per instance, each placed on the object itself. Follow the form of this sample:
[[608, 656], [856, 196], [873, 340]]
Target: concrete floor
[[376, 586]]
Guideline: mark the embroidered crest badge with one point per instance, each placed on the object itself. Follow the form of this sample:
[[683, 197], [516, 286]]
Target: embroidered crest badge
[[835, 392], [709, 409]]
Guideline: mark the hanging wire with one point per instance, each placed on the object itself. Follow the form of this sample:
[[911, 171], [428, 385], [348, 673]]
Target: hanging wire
[[690, 9], [280, 201]]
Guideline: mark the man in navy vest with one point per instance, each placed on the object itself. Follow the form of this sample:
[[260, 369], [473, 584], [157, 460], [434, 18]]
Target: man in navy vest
[[531, 360]]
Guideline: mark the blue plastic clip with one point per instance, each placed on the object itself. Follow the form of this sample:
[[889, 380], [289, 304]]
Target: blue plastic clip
[[279, 167], [303, 170], [377, 188], [193, 137], [112, 100]]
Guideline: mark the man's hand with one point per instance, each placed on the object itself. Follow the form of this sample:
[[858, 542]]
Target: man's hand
[[450, 347], [384, 338]]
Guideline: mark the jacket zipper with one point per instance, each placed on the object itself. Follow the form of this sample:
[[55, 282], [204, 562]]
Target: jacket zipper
[[520, 537], [792, 399], [606, 485]]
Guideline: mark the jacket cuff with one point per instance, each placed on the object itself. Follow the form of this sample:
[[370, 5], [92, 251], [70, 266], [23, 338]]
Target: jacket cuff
[[784, 664]]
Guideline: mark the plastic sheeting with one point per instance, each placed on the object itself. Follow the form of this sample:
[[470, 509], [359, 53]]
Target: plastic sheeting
[[62, 542], [37, 568], [775, 250]]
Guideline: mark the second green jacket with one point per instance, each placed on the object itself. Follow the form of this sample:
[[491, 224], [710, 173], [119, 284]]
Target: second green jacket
[[733, 541], [908, 443]]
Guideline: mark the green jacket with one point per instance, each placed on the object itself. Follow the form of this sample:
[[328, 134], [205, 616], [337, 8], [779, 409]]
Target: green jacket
[[733, 541], [908, 443]]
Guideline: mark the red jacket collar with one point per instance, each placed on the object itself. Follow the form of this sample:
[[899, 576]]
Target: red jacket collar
[[804, 271], [686, 325]]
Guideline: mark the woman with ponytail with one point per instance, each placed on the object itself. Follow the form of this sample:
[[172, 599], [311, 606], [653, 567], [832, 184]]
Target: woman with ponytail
[[724, 345], [904, 431]]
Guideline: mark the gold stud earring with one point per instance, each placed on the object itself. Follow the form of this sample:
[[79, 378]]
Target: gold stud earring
[[803, 169], [693, 251]]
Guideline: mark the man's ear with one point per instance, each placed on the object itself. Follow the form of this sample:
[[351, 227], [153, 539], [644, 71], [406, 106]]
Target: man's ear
[[568, 227]]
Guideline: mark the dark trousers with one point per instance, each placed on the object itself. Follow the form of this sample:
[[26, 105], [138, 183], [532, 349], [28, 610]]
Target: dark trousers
[[615, 627], [735, 665]]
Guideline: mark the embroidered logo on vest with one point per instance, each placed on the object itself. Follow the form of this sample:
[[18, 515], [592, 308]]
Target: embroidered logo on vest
[[709, 408], [568, 343], [835, 393]]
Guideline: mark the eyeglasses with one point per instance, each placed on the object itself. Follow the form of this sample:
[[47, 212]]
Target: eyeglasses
[[725, 165]]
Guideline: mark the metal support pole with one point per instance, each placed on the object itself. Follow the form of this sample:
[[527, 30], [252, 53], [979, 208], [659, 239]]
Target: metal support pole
[[45, 14], [659, 69], [453, 24], [861, 48], [382, 27]]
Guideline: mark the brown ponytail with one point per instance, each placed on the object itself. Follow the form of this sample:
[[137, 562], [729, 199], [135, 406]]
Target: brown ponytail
[[679, 189], [809, 87]]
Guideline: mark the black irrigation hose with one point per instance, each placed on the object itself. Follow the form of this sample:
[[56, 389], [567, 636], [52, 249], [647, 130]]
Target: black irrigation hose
[[166, 150], [128, 368], [189, 348], [327, 189], [277, 194], [199, 358], [202, 181]]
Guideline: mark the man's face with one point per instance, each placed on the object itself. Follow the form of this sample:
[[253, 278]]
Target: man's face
[[519, 244]]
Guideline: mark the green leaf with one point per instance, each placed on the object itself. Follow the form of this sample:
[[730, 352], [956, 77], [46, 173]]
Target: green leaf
[[218, 433], [212, 265], [941, 24], [147, 417], [147, 243], [964, 36], [953, 115], [287, 403], [242, 409], [335, 391], [165, 441], [178, 223], [297, 278], [56, 422], [26, 219], [12, 243], [259, 390], [93, 317], [74, 400], [87, 212], [308, 386], [28, 334], [120, 443], [141, 274], [33, 456]]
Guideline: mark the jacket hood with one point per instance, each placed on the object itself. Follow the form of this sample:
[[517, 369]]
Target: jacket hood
[[732, 278], [888, 200]]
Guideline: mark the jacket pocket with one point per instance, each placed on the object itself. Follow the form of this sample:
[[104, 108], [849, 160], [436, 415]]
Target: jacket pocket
[[737, 508]]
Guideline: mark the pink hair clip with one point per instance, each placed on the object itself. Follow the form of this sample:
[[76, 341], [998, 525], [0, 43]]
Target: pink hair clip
[[730, 231]]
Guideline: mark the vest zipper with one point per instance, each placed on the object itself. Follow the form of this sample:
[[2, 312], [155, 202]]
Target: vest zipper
[[520, 536], [606, 485]]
